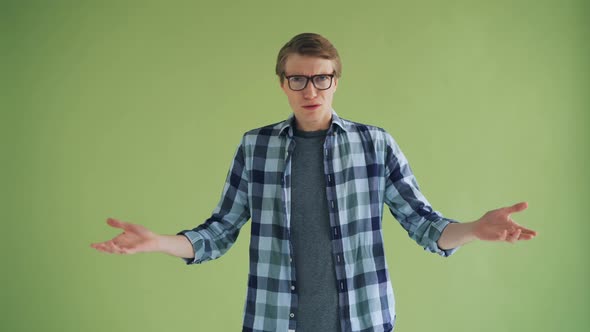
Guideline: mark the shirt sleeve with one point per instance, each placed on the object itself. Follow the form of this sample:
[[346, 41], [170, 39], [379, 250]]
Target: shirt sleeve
[[407, 204], [217, 234]]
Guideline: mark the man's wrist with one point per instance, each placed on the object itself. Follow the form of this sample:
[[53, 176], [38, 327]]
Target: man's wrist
[[457, 234], [164, 243], [470, 231], [175, 245]]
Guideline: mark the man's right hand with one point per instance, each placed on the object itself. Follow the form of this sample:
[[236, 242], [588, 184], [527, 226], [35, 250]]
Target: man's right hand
[[134, 239]]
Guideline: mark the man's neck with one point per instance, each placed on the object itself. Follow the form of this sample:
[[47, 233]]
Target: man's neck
[[312, 126]]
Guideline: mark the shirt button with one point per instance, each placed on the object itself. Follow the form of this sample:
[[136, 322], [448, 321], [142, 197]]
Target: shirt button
[[292, 287], [291, 315]]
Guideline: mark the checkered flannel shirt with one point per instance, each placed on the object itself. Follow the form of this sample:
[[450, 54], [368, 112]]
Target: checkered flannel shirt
[[364, 170]]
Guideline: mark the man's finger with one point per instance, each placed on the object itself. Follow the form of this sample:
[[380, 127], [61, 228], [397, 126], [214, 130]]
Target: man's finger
[[514, 236], [526, 231], [525, 237], [503, 235], [101, 247], [118, 224], [113, 248], [517, 207], [95, 246]]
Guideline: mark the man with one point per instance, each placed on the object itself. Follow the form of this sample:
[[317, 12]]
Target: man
[[314, 187]]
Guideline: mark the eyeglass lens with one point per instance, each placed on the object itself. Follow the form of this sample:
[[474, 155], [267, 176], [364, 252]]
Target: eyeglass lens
[[321, 82]]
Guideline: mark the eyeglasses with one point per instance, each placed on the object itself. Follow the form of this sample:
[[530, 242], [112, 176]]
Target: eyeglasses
[[299, 82]]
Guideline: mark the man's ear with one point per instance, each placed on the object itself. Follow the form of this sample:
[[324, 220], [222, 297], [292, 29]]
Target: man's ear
[[335, 83], [282, 85]]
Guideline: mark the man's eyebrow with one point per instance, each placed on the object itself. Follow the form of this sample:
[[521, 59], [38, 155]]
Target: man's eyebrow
[[309, 75]]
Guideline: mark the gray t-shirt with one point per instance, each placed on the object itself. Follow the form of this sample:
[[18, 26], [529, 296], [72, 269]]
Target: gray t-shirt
[[311, 238]]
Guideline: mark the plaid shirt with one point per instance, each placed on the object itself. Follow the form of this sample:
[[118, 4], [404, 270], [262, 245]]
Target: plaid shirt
[[364, 169]]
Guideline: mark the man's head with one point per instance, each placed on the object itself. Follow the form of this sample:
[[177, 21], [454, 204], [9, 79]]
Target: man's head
[[309, 44], [309, 67]]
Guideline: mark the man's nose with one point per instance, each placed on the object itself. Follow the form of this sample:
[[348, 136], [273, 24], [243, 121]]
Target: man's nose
[[310, 91]]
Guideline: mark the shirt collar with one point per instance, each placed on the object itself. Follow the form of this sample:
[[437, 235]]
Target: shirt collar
[[286, 126]]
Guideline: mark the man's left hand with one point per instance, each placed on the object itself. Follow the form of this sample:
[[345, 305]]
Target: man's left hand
[[497, 225]]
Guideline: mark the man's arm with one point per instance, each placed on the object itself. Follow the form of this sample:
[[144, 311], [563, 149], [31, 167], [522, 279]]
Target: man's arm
[[495, 225], [407, 203], [214, 237]]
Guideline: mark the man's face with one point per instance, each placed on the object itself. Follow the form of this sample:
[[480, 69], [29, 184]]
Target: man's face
[[312, 107]]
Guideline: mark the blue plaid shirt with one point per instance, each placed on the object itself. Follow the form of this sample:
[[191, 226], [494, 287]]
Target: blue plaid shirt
[[364, 170]]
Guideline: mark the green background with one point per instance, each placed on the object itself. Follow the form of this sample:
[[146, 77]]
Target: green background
[[132, 110]]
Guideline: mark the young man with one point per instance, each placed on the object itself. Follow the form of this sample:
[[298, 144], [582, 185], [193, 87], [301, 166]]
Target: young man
[[314, 187]]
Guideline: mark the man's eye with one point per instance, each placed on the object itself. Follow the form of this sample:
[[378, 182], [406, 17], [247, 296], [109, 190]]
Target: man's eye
[[297, 79], [322, 77]]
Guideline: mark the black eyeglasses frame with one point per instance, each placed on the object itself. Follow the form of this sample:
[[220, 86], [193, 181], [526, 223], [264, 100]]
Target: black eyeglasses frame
[[308, 79]]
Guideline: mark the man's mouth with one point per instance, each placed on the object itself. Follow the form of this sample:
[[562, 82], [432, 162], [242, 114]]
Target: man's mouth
[[312, 107]]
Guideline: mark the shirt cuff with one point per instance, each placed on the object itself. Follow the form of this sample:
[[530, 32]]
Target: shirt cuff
[[198, 246], [440, 226]]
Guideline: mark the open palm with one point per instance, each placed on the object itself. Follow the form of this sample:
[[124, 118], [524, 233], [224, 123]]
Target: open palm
[[497, 225], [134, 239]]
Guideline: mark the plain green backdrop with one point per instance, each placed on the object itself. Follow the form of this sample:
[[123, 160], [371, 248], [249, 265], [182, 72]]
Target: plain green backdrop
[[132, 110]]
